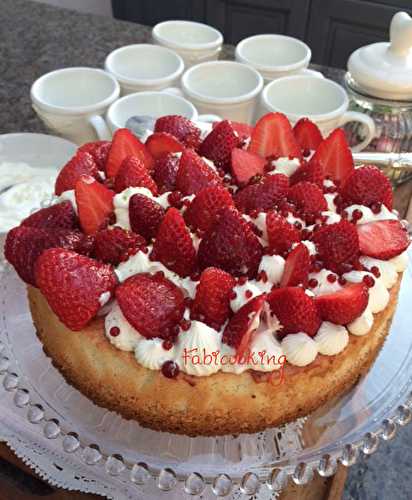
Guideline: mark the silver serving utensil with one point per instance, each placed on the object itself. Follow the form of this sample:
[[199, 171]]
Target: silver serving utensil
[[398, 161]]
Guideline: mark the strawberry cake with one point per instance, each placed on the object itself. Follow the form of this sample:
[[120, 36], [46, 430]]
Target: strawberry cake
[[213, 284]]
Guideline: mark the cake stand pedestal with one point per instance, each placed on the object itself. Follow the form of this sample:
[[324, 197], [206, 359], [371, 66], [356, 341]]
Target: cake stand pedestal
[[76, 445]]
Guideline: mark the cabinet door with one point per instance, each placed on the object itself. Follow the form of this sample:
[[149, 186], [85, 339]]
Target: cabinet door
[[338, 27], [239, 19], [152, 12]]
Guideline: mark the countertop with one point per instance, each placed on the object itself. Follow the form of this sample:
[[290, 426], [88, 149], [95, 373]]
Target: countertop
[[36, 38]]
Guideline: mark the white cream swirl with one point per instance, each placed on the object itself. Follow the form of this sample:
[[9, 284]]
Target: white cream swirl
[[299, 349], [331, 339], [368, 215], [198, 349], [363, 324], [285, 165], [273, 266], [128, 337], [324, 286], [400, 261], [151, 354], [387, 270]]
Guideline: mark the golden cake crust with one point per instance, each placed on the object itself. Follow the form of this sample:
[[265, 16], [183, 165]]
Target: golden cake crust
[[223, 403]]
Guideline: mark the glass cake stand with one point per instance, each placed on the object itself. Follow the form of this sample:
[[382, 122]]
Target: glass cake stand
[[215, 467]]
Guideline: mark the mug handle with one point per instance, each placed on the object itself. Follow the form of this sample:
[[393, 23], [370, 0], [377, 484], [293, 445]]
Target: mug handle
[[355, 116], [209, 118], [101, 128]]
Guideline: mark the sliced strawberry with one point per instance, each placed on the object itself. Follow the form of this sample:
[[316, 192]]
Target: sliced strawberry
[[281, 234], [165, 172], [263, 195], [246, 165], [295, 310], [335, 157], [231, 245], [125, 144], [368, 185], [383, 239], [273, 136], [345, 305], [81, 164], [174, 246], [180, 127], [308, 172], [152, 304], [145, 215], [116, 245], [212, 300], [337, 244], [94, 204], [219, 143], [308, 199], [241, 328], [194, 174], [73, 285], [307, 134], [99, 150], [59, 216], [297, 267], [204, 209], [132, 173], [161, 143]]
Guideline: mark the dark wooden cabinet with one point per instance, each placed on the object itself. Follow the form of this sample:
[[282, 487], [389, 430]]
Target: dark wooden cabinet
[[332, 28]]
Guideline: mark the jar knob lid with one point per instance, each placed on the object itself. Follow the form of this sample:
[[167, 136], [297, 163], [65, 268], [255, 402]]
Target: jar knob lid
[[401, 34]]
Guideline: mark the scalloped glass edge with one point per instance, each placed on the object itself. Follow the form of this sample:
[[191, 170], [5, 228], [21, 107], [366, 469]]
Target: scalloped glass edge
[[276, 477]]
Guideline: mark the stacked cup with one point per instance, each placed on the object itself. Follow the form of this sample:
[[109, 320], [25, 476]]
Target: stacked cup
[[83, 103]]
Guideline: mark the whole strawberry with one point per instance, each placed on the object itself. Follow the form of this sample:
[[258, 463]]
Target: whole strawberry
[[231, 245], [133, 173], [194, 174], [337, 244], [165, 172], [295, 310], [73, 285], [281, 234], [204, 209], [308, 172], [145, 215], [99, 150], [59, 216], [152, 304], [308, 199], [116, 245], [366, 186], [218, 145], [264, 195], [81, 164], [24, 244], [173, 246], [212, 300], [182, 128]]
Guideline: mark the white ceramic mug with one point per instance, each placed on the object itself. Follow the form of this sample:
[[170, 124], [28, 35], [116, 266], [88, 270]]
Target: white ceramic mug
[[143, 66], [194, 42], [153, 104], [226, 88], [321, 100], [275, 56], [69, 100]]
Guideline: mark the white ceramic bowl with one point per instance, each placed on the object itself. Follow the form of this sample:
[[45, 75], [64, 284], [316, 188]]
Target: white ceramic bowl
[[194, 42], [274, 56], [144, 66]]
